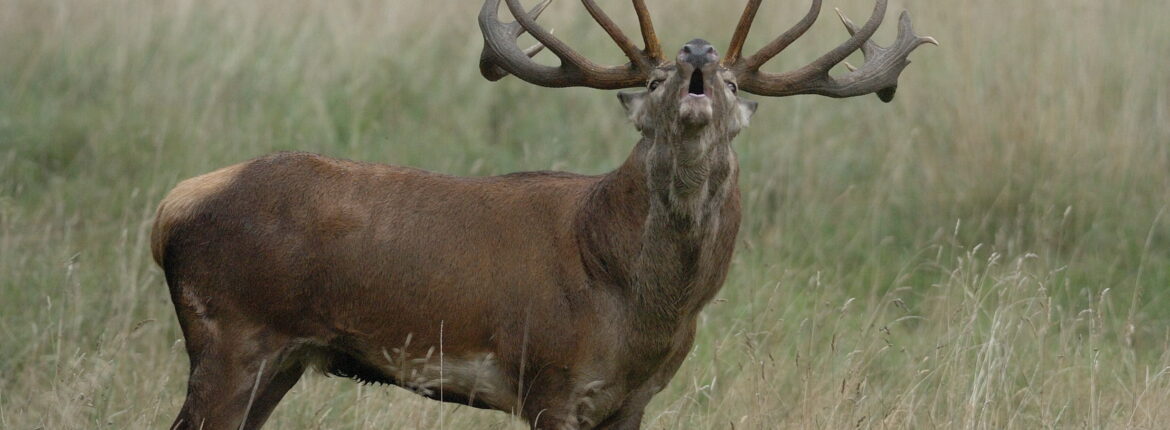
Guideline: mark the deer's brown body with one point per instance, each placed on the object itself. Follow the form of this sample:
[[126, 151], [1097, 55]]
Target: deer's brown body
[[522, 284], [567, 299]]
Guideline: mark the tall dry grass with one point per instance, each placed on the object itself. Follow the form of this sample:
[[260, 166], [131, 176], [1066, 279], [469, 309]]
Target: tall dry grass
[[991, 250]]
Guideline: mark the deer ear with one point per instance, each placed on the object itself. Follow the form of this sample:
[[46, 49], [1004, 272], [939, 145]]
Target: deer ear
[[633, 102], [747, 108]]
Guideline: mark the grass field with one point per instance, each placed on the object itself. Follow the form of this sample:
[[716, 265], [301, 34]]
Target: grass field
[[989, 251]]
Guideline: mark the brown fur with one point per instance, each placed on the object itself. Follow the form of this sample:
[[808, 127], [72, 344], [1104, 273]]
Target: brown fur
[[181, 202], [567, 299]]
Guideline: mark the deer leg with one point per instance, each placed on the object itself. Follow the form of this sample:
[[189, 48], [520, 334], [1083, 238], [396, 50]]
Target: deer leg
[[629, 417], [266, 399], [549, 416], [236, 383]]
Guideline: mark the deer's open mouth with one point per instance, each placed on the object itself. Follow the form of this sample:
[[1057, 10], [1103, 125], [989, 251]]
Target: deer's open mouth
[[696, 87], [695, 107]]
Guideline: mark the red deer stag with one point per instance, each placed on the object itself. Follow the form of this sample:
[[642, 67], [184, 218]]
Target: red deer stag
[[568, 300]]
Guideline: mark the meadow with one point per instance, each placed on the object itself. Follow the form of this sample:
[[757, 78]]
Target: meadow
[[991, 250]]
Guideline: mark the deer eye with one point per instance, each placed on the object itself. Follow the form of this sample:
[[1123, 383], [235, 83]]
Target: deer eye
[[654, 84], [731, 86]]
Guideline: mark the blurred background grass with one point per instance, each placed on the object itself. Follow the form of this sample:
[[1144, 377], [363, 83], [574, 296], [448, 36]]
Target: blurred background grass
[[990, 250]]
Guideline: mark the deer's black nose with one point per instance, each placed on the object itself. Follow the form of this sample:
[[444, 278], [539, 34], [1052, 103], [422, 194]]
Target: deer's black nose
[[698, 52]]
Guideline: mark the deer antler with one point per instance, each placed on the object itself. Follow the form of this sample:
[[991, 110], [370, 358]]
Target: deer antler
[[501, 56], [879, 73], [489, 60]]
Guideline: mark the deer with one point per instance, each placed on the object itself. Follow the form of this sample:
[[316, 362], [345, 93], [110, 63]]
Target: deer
[[566, 300]]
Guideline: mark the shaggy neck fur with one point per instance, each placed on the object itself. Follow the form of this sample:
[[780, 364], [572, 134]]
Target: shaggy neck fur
[[662, 226]]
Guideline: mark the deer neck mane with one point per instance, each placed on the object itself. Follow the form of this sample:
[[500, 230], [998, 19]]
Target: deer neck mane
[[662, 226]]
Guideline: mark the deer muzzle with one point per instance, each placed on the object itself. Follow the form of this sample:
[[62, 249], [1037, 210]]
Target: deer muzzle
[[698, 53], [698, 61]]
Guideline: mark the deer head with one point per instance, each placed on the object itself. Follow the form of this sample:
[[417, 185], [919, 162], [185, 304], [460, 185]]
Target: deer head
[[697, 90], [692, 94]]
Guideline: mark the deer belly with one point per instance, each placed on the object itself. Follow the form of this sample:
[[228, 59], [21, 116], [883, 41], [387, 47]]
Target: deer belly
[[475, 380]]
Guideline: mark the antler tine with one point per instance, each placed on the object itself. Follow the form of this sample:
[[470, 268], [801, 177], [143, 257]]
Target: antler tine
[[653, 49], [896, 55], [562, 51], [501, 55], [781, 43], [741, 32], [636, 57], [858, 39], [904, 29], [489, 61], [879, 74]]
